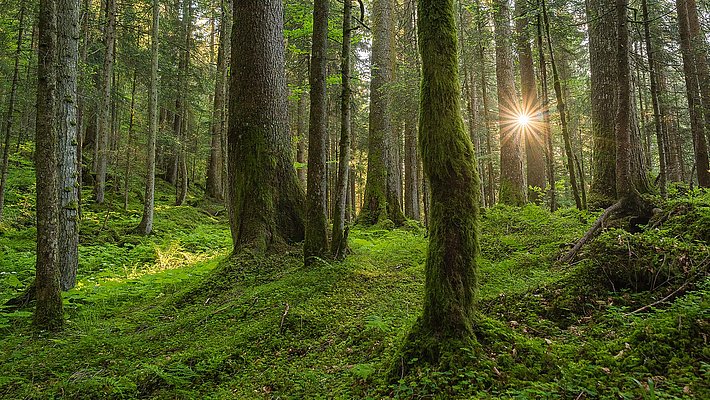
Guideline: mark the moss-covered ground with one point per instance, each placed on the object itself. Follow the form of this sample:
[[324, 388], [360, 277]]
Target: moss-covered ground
[[172, 316]]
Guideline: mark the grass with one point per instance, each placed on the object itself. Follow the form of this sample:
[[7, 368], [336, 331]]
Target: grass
[[172, 316]]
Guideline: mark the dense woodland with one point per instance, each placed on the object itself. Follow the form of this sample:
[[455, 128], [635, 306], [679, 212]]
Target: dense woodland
[[354, 199]]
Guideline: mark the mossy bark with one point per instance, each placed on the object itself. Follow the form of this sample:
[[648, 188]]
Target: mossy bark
[[449, 163], [316, 231], [266, 197]]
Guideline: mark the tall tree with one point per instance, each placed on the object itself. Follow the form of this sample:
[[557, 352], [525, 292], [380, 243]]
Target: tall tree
[[11, 108], [339, 242], [214, 166], [266, 196], [48, 313], [448, 319], [695, 46], [66, 97], [658, 111], [181, 121], [381, 198], [146, 225], [561, 107], [105, 101], [532, 131], [547, 132], [512, 185], [316, 241]]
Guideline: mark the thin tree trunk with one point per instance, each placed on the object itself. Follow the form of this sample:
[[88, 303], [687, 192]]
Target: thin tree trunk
[[104, 128], [316, 239], [658, 116], [339, 243], [67, 71], [215, 185], [546, 131], [129, 144], [11, 110], [146, 225], [563, 115]]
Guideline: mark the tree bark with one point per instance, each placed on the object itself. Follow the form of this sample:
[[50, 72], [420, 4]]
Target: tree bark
[[448, 319], [49, 314], [546, 131], [316, 240], [146, 225], [104, 128], [339, 243], [512, 185], [11, 110], [266, 196], [215, 185], [381, 201], [563, 115], [66, 98], [533, 133]]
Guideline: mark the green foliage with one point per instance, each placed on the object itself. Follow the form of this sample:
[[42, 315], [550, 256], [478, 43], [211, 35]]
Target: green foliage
[[172, 316]]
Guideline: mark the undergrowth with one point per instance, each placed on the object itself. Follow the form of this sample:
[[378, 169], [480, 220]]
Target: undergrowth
[[174, 316]]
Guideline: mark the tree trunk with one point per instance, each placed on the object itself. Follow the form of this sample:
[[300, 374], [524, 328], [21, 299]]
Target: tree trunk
[[49, 314], [512, 185], [381, 200], [129, 144], [532, 133], [699, 54], [66, 98], [339, 243], [182, 116], [11, 110], [448, 318], [104, 128], [658, 115], [215, 185], [546, 131], [316, 240], [146, 225], [266, 196], [563, 116], [602, 53]]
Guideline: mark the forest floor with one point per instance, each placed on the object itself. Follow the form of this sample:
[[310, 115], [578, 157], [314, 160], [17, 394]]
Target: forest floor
[[172, 316]]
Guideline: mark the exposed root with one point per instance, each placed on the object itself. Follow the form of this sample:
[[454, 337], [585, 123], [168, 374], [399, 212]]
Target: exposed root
[[23, 300]]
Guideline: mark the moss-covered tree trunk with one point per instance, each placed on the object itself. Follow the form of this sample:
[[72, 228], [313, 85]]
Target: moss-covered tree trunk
[[381, 201], [546, 131], [49, 313], [602, 56], [450, 167], [512, 184], [316, 234], [266, 197]]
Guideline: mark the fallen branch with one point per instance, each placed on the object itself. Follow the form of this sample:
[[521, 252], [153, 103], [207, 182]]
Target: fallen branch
[[591, 232], [655, 303]]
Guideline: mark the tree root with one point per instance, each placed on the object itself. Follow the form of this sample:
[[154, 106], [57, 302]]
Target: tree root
[[23, 300]]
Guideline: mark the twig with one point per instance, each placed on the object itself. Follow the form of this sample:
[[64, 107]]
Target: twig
[[659, 301], [283, 318]]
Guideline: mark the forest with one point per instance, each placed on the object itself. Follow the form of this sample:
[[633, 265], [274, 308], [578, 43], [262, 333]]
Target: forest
[[355, 199]]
